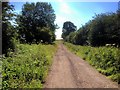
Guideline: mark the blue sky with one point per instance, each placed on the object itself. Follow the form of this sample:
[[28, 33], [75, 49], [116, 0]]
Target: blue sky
[[77, 12]]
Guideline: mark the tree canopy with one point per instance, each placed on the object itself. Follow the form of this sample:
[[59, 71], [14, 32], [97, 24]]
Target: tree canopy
[[101, 30], [8, 31], [36, 22], [68, 27]]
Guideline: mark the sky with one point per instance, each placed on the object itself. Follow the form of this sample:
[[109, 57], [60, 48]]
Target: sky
[[78, 13]]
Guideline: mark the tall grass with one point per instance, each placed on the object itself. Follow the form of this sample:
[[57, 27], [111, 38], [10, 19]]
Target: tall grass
[[105, 59], [28, 67]]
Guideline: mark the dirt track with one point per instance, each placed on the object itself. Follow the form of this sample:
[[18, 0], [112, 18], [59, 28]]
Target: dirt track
[[70, 71]]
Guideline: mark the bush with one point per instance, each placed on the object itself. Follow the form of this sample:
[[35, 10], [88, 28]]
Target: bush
[[105, 59], [28, 67]]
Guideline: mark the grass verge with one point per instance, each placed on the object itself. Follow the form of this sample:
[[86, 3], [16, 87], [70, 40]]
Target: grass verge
[[105, 59]]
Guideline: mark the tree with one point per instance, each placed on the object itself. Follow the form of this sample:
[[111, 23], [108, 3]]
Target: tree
[[71, 37], [97, 31], [68, 27], [82, 35], [8, 31], [118, 23], [34, 17], [104, 30]]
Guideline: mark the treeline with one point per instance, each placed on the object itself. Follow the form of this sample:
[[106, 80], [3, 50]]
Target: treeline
[[101, 30], [35, 24]]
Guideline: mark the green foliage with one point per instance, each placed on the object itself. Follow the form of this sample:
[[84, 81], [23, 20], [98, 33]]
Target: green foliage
[[9, 33], [81, 37], [36, 23], [70, 37], [101, 30], [28, 67], [104, 30], [46, 35], [68, 27], [105, 59]]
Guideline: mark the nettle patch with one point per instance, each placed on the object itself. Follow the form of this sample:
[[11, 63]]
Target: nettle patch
[[105, 59], [28, 67]]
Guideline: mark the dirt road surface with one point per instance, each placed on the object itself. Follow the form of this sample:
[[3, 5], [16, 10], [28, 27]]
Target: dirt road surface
[[70, 71]]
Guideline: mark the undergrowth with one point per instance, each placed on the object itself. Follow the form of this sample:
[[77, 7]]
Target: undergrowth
[[105, 59], [28, 67]]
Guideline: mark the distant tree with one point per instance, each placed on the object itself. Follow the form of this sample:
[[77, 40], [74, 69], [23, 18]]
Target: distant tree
[[34, 17], [71, 37], [82, 35], [68, 27], [8, 31]]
